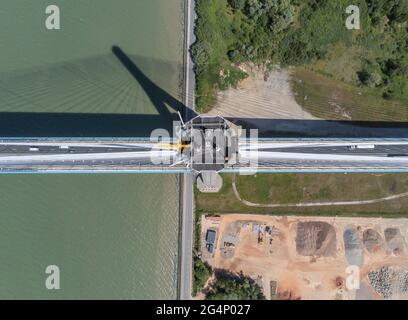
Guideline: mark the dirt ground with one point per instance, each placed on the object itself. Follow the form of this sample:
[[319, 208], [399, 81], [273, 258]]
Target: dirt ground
[[310, 257], [263, 95]]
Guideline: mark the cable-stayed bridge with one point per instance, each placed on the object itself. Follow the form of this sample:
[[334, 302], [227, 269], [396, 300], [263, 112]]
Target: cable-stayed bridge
[[200, 143], [145, 156]]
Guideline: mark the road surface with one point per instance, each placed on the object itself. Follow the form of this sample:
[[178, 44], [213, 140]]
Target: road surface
[[187, 238], [327, 155], [48, 154], [187, 219]]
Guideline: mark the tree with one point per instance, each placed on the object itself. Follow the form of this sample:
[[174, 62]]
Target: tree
[[201, 53], [228, 286], [399, 13], [391, 68], [282, 20], [237, 4], [372, 75], [202, 272]]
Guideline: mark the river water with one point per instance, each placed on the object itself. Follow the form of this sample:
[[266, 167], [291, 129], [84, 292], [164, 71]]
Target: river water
[[111, 235]]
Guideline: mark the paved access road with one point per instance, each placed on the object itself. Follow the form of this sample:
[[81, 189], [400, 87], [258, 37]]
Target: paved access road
[[187, 219], [187, 238]]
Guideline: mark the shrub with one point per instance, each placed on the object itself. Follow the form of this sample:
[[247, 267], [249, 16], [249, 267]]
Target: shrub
[[229, 286], [202, 272]]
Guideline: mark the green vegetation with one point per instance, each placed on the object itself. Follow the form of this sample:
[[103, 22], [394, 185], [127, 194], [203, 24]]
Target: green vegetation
[[386, 66], [295, 188], [308, 32], [228, 286], [329, 98], [202, 272], [375, 57], [230, 32], [225, 285]]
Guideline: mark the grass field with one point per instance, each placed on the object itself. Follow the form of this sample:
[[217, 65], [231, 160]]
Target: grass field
[[328, 98], [295, 188]]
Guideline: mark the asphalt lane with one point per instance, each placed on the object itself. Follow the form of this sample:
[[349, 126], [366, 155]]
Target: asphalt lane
[[187, 238], [187, 219]]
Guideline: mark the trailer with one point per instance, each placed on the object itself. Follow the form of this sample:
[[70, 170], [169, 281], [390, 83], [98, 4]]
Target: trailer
[[362, 146]]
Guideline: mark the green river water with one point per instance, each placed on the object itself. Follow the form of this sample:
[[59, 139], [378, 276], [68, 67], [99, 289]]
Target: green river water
[[111, 235]]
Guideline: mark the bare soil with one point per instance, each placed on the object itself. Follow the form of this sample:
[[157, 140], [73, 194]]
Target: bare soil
[[306, 256], [315, 238], [264, 94]]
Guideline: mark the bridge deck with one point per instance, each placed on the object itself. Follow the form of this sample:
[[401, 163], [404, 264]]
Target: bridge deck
[[141, 154]]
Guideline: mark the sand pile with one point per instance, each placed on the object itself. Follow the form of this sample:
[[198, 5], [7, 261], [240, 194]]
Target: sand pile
[[372, 240], [395, 241], [315, 238], [352, 247]]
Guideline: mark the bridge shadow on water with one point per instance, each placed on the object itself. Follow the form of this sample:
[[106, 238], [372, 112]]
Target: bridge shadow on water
[[71, 124], [46, 124], [32, 124], [157, 96], [277, 128]]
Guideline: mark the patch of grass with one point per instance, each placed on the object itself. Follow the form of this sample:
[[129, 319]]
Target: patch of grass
[[223, 201], [328, 98], [294, 188], [331, 99], [260, 188]]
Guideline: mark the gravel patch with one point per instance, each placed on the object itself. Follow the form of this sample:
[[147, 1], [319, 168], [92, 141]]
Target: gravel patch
[[390, 282]]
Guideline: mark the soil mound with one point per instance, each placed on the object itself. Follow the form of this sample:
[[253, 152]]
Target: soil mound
[[395, 241], [372, 240], [315, 238]]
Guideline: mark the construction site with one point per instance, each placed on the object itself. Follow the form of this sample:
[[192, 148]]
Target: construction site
[[294, 258]]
